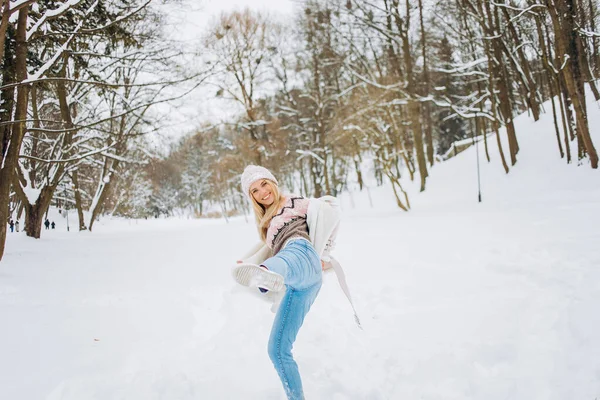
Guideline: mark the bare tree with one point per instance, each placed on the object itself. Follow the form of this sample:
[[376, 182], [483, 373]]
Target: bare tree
[[241, 43]]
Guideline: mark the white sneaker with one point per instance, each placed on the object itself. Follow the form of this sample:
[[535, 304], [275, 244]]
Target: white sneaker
[[254, 276]]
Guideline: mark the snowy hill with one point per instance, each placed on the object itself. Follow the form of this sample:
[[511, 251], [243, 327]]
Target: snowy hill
[[459, 300]]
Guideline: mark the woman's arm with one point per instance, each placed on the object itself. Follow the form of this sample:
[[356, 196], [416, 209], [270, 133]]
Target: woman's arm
[[326, 265], [259, 253]]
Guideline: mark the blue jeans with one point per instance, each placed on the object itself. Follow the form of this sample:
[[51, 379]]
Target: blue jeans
[[300, 266]]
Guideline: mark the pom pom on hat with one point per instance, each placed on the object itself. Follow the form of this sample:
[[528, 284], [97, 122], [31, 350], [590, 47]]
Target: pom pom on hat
[[253, 173]]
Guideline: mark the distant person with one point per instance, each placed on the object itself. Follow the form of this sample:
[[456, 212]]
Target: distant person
[[53, 225], [12, 225], [17, 225], [47, 224]]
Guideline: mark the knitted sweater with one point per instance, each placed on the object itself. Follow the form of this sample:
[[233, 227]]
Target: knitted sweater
[[288, 223]]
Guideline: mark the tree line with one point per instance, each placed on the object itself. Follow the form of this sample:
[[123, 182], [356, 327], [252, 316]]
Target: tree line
[[345, 81], [393, 82]]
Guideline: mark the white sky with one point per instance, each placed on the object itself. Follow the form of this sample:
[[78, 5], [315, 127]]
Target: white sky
[[194, 16]]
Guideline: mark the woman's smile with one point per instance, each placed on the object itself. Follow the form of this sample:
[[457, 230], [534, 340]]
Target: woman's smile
[[262, 193]]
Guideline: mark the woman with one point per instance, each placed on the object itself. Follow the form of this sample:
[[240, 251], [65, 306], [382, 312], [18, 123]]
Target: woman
[[288, 258]]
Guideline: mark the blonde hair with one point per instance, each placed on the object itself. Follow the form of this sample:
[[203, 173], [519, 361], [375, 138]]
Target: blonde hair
[[263, 216]]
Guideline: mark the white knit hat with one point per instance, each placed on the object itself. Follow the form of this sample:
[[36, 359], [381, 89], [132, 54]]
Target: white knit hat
[[253, 173]]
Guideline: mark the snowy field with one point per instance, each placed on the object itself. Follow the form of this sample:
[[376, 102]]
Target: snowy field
[[458, 300]]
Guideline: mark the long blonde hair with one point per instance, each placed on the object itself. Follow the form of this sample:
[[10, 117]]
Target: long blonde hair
[[263, 216]]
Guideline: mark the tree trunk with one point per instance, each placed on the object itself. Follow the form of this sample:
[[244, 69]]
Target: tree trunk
[[410, 167], [595, 53], [396, 186], [552, 92], [328, 185], [303, 180], [556, 78], [99, 198], [34, 213], [566, 35], [359, 176], [506, 110], [12, 137], [392, 54], [414, 108], [568, 109], [4, 22], [418, 135], [494, 109], [34, 217], [357, 159], [78, 202], [556, 129], [20, 209], [504, 85], [425, 107], [485, 141], [6, 166], [565, 123], [315, 178], [479, 131]]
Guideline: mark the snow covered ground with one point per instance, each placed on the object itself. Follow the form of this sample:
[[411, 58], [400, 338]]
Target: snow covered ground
[[459, 300]]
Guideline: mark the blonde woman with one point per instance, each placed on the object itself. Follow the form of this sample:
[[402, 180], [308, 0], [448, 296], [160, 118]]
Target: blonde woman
[[289, 259]]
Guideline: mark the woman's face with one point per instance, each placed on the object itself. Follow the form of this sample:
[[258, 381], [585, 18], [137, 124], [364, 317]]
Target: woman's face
[[262, 191]]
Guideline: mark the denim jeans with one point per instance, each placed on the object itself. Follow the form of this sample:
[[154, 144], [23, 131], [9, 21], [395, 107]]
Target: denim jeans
[[300, 266]]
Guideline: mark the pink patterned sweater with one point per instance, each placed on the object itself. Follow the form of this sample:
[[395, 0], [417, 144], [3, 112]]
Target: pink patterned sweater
[[288, 223]]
